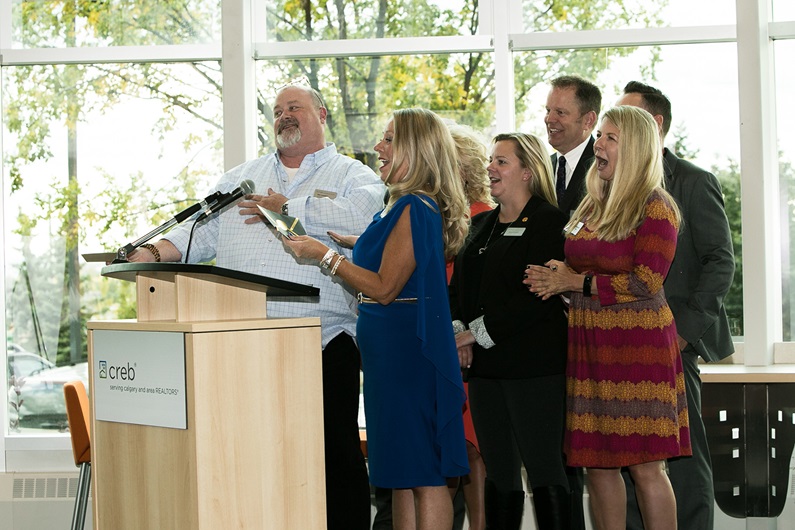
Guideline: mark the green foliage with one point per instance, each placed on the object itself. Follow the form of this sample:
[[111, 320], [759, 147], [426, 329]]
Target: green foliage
[[40, 100], [566, 15], [539, 67], [729, 178], [681, 149], [360, 92], [56, 23]]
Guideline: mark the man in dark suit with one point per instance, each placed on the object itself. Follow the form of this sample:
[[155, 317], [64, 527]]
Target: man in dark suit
[[572, 110], [699, 278]]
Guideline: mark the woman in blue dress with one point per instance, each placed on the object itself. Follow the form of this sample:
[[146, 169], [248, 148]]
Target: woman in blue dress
[[413, 391]]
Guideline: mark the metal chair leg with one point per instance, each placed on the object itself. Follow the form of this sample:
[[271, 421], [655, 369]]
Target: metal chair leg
[[81, 497]]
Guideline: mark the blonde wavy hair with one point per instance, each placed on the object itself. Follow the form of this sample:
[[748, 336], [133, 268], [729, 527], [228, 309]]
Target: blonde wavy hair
[[616, 207], [533, 156], [473, 159], [423, 145]]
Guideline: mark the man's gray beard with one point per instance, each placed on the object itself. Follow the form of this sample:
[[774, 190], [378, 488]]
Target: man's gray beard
[[288, 138]]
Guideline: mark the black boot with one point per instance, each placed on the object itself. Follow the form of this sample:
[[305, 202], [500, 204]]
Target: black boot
[[503, 508], [576, 485], [553, 507]]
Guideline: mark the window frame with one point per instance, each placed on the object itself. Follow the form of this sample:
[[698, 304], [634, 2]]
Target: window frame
[[243, 45]]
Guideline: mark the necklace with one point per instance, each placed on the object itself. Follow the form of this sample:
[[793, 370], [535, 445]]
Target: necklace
[[482, 249]]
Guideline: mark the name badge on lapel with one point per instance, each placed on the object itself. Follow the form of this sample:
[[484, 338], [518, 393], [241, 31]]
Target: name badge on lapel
[[320, 194], [514, 231]]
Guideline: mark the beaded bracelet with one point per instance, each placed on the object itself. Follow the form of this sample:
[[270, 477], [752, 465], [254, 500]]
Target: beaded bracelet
[[153, 249], [337, 264]]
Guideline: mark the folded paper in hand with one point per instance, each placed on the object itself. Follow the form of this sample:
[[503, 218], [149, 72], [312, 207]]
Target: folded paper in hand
[[286, 225]]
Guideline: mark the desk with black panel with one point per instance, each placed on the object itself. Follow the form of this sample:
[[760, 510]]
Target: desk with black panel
[[749, 415]]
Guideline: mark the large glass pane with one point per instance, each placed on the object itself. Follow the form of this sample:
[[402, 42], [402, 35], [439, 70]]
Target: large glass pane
[[96, 156], [704, 97], [783, 10], [361, 91], [60, 23], [565, 15], [287, 20], [785, 109]]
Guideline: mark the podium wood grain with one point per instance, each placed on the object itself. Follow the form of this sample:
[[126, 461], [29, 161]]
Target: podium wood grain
[[252, 455], [188, 297]]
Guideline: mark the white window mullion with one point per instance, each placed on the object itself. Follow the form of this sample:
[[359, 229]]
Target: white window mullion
[[5, 43], [618, 38], [759, 169], [503, 68], [368, 47], [114, 54], [240, 99]]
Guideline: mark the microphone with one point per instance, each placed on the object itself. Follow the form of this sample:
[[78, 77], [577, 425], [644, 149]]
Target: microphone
[[205, 204], [211, 203], [246, 187], [201, 205]]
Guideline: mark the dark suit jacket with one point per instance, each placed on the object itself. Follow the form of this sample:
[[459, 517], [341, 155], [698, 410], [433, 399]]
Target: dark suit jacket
[[575, 191], [530, 335], [703, 267]]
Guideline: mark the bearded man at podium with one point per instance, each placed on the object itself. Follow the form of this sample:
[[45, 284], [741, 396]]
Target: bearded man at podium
[[305, 178]]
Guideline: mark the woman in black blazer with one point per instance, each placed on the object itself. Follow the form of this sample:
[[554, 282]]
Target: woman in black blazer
[[511, 343]]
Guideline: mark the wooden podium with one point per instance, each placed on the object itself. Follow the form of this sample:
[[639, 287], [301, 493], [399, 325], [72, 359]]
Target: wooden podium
[[250, 454]]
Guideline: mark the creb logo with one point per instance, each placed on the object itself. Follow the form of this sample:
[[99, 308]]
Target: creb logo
[[125, 373]]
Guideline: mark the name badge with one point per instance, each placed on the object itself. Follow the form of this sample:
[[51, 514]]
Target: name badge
[[514, 231], [577, 228], [320, 194]]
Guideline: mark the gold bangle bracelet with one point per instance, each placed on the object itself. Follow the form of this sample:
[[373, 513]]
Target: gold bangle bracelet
[[337, 264]]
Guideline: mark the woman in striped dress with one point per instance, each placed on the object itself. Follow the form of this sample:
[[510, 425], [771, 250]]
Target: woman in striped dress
[[625, 389]]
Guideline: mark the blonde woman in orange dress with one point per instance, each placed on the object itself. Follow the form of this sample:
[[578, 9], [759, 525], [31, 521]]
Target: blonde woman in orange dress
[[626, 401]]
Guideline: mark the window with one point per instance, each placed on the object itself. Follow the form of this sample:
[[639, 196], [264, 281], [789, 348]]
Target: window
[[785, 54], [95, 156], [699, 111], [369, 19], [39, 24], [106, 135], [783, 10], [361, 92], [608, 14]]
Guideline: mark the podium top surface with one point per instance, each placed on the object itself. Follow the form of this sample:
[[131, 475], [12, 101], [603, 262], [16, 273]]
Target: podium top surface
[[274, 286]]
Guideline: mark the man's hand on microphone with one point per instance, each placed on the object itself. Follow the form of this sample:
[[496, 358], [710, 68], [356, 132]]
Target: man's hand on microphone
[[272, 201]]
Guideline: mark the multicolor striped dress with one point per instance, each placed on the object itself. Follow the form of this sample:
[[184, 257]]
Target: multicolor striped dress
[[625, 388]]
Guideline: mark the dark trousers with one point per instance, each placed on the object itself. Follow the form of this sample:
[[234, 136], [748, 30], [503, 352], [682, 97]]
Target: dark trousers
[[520, 421], [691, 476], [347, 484]]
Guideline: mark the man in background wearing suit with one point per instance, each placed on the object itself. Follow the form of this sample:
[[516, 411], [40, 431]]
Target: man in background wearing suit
[[699, 278], [572, 109], [573, 106]]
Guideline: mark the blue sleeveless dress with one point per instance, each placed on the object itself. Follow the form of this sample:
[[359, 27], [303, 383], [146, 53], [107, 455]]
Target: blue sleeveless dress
[[413, 393]]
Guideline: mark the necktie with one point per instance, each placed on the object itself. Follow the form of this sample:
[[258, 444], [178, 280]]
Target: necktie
[[560, 183]]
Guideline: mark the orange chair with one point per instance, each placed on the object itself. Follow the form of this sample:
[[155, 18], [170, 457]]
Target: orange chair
[[77, 415]]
